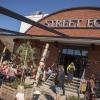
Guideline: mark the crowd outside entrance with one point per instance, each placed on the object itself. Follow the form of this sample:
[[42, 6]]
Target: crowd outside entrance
[[87, 88]]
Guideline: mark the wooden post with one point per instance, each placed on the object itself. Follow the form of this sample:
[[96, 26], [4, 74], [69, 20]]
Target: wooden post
[[44, 53], [26, 51], [24, 65], [2, 55], [41, 62]]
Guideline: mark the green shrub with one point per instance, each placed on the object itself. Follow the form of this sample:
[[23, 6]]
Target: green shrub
[[16, 83], [73, 98]]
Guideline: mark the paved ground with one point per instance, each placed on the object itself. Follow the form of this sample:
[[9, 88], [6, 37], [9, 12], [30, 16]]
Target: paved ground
[[45, 93]]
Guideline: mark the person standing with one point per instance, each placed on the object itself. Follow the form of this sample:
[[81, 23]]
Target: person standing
[[59, 81], [88, 90], [83, 86], [12, 73], [70, 72], [61, 77], [92, 83], [57, 86]]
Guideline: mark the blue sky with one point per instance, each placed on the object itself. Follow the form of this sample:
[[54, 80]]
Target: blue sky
[[27, 7]]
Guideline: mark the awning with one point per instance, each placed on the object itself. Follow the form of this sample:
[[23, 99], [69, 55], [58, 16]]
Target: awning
[[74, 40]]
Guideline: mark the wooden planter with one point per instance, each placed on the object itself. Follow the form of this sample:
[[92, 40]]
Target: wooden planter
[[8, 93]]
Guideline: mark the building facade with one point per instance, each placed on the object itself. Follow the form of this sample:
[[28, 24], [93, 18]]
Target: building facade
[[79, 41]]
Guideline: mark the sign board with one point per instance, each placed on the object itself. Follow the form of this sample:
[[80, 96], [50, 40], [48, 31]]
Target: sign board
[[92, 23]]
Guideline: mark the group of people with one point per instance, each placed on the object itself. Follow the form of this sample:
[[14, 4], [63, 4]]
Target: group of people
[[42, 73], [7, 72], [60, 79], [10, 72], [87, 88]]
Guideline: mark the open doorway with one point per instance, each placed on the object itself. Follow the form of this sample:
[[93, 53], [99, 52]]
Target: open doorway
[[78, 57]]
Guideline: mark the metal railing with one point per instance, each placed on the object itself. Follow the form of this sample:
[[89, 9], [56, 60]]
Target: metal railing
[[83, 77]]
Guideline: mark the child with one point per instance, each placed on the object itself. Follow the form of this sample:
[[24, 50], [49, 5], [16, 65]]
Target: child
[[20, 93]]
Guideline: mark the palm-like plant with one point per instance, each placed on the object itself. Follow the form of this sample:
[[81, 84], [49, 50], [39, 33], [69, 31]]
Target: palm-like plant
[[26, 52]]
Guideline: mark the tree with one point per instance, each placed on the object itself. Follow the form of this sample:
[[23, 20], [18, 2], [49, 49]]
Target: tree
[[26, 53]]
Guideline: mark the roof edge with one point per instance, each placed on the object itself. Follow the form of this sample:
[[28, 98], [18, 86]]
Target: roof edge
[[69, 9]]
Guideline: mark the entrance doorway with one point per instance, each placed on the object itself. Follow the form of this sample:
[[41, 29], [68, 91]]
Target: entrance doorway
[[78, 57]]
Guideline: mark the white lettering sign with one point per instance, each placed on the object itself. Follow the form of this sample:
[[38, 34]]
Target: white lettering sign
[[74, 23]]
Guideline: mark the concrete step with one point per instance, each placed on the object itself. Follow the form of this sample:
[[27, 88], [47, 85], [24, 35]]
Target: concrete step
[[71, 86], [67, 88], [74, 83], [49, 84], [76, 80], [66, 85], [71, 90]]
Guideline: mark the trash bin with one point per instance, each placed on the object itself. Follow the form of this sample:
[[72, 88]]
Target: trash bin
[[36, 95]]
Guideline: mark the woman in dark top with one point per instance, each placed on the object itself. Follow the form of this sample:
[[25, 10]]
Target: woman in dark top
[[59, 80]]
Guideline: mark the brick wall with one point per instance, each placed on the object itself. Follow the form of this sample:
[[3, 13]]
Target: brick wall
[[70, 14], [52, 55], [93, 66], [93, 62], [86, 13]]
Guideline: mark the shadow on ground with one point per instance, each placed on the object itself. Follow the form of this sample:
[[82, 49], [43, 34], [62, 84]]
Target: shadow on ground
[[48, 97]]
